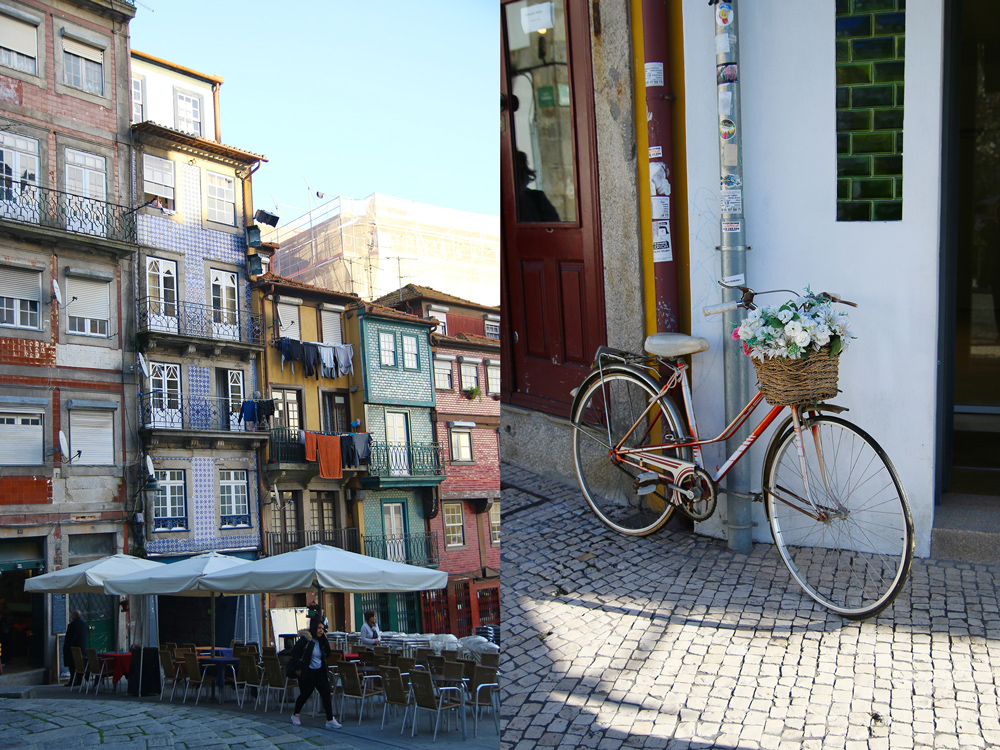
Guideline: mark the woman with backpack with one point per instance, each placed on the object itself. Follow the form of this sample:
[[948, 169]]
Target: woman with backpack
[[308, 663]]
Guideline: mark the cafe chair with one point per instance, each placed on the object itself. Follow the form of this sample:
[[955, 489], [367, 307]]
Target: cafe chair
[[351, 687], [79, 668], [427, 699], [171, 672], [396, 694], [195, 675], [484, 692], [96, 667]]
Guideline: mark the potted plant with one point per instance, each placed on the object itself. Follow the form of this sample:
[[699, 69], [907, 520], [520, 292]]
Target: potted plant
[[473, 392]]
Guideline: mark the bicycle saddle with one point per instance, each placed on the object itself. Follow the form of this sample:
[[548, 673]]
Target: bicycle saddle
[[674, 344]]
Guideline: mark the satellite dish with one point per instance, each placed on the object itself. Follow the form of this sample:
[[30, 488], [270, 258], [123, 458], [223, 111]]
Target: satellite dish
[[56, 291], [64, 446], [149, 467], [143, 365]]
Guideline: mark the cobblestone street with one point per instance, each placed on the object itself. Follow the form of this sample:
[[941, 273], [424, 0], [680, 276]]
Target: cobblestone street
[[674, 641]]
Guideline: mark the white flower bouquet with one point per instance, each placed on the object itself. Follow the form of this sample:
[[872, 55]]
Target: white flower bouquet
[[795, 329]]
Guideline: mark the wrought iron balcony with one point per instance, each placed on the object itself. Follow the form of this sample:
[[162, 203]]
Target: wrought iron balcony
[[193, 320], [161, 410], [241, 519], [406, 460], [284, 446], [54, 209], [170, 523], [414, 549], [279, 542]]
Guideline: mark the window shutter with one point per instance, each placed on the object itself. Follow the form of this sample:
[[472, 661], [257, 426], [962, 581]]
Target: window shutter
[[288, 315], [83, 50], [93, 299], [20, 284], [21, 444], [18, 36], [332, 332], [92, 433]]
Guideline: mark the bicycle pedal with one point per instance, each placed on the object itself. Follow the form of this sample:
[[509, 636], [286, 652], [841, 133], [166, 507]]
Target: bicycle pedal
[[646, 482]]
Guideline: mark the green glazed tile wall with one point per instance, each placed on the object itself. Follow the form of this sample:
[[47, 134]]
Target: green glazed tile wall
[[870, 51]]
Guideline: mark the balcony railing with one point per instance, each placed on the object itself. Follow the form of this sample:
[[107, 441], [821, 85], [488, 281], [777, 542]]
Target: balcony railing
[[279, 542], [200, 321], [406, 460], [414, 549], [284, 446], [54, 209], [161, 410]]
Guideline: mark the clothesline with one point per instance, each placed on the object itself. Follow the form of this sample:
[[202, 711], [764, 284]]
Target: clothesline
[[321, 360], [334, 452]]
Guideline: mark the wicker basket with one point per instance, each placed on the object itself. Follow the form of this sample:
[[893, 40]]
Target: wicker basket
[[798, 381]]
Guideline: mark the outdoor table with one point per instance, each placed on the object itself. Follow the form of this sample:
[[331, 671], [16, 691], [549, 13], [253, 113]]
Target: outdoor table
[[222, 663], [289, 640], [121, 663]]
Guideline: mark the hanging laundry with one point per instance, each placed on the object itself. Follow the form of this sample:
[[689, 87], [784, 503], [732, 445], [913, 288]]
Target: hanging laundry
[[310, 359], [265, 409], [310, 446], [248, 412], [327, 361], [328, 450], [286, 353], [344, 354], [362, 446], [348, 455]]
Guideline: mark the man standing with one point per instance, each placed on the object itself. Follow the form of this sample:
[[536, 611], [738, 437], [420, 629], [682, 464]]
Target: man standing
[[76, 635]]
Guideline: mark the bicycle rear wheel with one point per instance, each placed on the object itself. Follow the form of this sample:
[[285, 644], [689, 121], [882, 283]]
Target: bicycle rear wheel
[[854, 561], [605, 411]]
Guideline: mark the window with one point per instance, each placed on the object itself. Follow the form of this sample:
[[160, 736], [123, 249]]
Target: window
[[83, 66], [495, 522], [18, 45], [21, 439], [332, 325], [336, 417], [454, 527], [441, 317], [221, 199], [493, 379], [442, 375], [86, 177], [169, 507], [470, 375], [18, 177], [288, 320], [492, 329], [387, 346], [136, 99], [89, 306], [158, 180], [461, 445], [286, 408], [91, 434], [233, 498], [410, 360], [188, 112], [20, 298]]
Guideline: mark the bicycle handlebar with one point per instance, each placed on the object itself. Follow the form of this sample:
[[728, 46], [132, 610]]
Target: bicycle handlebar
[[747, 296], [722, 307]]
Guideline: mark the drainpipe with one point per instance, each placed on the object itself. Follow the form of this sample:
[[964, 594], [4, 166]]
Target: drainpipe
[[739, 522], [215, 104], [661, 162]]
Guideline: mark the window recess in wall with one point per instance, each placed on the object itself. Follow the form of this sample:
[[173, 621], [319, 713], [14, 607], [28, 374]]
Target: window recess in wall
[[18, 45], [88, 308], [158, 181], [870, 44], [83, 66]]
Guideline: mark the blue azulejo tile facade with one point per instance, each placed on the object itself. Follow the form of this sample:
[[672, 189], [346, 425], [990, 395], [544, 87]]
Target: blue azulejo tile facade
[[404, 377]]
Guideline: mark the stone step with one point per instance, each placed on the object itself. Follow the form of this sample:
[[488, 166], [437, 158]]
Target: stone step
[[14, 691], [967, 528]]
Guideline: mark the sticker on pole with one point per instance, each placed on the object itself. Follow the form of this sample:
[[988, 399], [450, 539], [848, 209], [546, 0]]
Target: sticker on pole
[[730, 227], [654, 74], [737, 279], [730, 155], [659, 178], [731, 181], [661, 231], [722, 45], [662, 251], [656, 152], [731, 201], [725, 73], [725, 103], [727, 130], [724, 14], [660, 207]]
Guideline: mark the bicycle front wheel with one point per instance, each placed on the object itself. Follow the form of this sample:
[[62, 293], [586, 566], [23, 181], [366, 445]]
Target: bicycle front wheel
[[855, 557], [606, 410]]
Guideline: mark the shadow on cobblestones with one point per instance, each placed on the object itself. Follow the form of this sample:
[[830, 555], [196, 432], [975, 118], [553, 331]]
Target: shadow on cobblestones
[[674, 641]]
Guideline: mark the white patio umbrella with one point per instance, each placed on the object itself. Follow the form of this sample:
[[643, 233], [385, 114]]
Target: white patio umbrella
[[323, 567], [88, 578]]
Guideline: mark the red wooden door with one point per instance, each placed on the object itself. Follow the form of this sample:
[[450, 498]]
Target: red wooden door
[[552, 269]]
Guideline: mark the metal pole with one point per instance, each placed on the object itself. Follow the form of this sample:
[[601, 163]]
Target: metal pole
[[733, 248]]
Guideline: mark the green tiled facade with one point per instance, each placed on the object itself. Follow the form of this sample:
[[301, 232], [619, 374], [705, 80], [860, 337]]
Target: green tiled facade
[[870, 51]]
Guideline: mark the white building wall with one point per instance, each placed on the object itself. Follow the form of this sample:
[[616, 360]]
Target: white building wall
[[787, 78], [158, 94]]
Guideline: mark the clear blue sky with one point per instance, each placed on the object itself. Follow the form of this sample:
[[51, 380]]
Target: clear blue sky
[[393, 97]]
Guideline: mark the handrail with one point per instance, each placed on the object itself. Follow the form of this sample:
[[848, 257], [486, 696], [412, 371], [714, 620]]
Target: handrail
[[199, 321], [418, 548], [406, 459], [55, 209], [161, 410], [286, 541]]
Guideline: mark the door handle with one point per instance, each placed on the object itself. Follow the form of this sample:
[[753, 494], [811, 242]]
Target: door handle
[[515, 337]]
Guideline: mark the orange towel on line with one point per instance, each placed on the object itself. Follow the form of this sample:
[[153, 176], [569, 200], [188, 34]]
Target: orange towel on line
[[311, 446], [328, 450]]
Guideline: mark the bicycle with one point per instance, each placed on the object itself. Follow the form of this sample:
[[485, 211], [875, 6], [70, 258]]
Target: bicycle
[[846, 536]]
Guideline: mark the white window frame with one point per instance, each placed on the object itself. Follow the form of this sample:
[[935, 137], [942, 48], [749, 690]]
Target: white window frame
[[93, 300], [138, 100], [171, 498], [87, 427], [387, 348], [492, 379], [234, 493], [442, 367], [495, 523], [32, 425], [21, 311], [220, 198], [457, 448], [464, 369], [158, 178], [411, 356], [189, 110], [83, 66], [19, 45], [440, 314], [492, 329], [332, 326], [454, 532], [288, 328]]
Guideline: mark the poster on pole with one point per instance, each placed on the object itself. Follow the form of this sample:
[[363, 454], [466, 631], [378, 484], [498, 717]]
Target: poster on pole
[[731, 201]]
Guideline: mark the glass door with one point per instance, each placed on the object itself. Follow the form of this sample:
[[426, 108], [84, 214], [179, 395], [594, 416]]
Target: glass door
[[395, 533], [397, 442], [161, 295], [225, 318], [234, 396], [165, 395], [86, 210]]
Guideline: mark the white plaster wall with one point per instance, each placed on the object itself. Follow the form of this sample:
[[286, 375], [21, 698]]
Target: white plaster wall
[[91, 357], [787, 78], [158, 105]]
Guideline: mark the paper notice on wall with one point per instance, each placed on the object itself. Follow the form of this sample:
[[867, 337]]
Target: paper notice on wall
[[662, 251], [725, 103], [660, 206], [538, 17], [656, 152], [730, 155], [731, 201], [722, 44], [654, 74], [661, 231]]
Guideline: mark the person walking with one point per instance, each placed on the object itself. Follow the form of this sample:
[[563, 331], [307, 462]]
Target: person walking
[[76, 635], [309, 663], [369, 631]]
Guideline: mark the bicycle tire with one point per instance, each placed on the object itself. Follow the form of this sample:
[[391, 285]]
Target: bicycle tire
[[856, 561], [608, 485]]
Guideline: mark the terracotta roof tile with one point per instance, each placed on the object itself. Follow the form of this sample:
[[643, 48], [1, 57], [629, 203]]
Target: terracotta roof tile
[[414, 291]]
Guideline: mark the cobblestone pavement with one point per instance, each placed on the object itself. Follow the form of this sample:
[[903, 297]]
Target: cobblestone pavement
[[58, 719], [674, 641]]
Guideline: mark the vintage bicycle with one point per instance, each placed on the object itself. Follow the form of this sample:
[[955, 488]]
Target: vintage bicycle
[[837, 510]]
